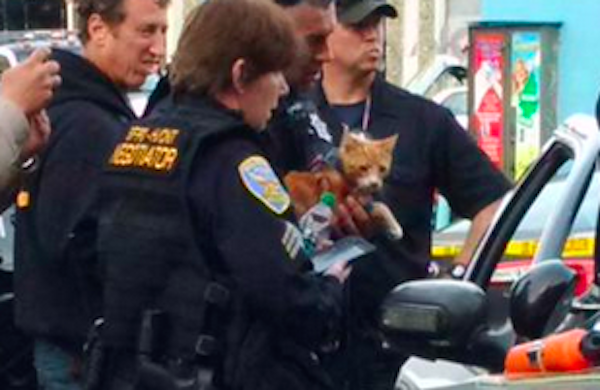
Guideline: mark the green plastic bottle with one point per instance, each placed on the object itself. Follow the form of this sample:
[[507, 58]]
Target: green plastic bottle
[[315, 224]]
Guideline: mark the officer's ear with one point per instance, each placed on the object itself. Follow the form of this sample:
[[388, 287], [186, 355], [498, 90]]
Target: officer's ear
[[238, 75]]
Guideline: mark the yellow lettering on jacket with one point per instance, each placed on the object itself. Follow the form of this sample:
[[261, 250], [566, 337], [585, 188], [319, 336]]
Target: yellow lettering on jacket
[[146, 148]]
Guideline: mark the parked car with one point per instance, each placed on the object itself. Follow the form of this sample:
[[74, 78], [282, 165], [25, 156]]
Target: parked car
[[443, 72], [17, 46], [476, 320], [578, 251]]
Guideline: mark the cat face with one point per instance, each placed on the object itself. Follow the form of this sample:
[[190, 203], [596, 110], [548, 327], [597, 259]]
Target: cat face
[[366, 162]]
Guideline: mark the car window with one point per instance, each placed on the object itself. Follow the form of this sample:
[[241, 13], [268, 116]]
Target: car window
[[503, 238], [587, 216], [447, 79], [457, 103], [581, 240], [535, 218], [524, 240]]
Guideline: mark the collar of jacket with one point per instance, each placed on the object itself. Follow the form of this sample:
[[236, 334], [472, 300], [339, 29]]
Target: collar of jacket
[[381, 105], [82, 80]]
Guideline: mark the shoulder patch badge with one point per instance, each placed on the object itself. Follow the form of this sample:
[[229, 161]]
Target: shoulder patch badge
[[262, 182]]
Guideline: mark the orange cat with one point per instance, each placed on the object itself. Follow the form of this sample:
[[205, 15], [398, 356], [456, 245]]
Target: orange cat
[[365, 163]]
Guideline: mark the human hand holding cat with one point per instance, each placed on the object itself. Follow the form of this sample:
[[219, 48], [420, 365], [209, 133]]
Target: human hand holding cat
[[365, 163], [352, 218]]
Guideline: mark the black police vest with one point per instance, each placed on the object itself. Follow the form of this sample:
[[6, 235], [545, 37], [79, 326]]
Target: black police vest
[[147, 240]]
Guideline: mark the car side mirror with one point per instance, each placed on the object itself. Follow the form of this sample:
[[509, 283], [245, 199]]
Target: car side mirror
[[432, 313], [540, 299]]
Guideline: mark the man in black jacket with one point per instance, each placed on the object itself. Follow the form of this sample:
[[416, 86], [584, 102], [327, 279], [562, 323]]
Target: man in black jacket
[[433, 153], [58, 293]]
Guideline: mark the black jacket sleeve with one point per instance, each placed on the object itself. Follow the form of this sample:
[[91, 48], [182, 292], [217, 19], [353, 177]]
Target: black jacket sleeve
[[466, 176], [70, 169], [261, 249]]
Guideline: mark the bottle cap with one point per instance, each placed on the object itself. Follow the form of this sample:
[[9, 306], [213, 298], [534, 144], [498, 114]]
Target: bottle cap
[[328, 199]]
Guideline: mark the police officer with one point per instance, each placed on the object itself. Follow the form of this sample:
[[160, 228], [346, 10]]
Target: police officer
[[196, 224], [296, 137], [433, 153]]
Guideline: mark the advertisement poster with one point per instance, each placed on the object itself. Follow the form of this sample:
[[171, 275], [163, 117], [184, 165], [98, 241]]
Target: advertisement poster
[[525, 97], [488, 118]]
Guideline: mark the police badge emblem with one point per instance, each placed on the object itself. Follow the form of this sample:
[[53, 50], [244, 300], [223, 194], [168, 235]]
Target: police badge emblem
[[262, 182]]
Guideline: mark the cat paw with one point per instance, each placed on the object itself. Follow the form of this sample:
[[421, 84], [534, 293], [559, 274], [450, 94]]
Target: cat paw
[[395, 232]]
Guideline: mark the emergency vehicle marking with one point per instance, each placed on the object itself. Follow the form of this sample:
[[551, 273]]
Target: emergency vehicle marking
[[147, 148], [575, 247], [262, 182]]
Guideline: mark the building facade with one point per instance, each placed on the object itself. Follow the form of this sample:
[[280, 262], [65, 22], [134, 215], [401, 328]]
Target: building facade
[[578, 66], [424, 29], [32, 14]]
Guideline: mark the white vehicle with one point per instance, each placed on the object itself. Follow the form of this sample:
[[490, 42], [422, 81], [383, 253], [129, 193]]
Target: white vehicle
[[474, 322], [444, 72], [444, 82], [17, 46]]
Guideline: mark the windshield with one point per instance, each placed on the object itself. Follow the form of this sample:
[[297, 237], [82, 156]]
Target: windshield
[[444, 72], [536, 216]]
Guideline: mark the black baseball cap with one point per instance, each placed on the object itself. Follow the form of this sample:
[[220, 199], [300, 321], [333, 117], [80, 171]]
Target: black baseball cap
[[354, 11]]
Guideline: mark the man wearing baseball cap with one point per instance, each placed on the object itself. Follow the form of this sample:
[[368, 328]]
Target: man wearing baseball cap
[[433, 153], [355, 11]]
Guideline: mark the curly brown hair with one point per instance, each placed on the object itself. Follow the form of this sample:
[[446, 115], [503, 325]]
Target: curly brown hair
[[111, 11]]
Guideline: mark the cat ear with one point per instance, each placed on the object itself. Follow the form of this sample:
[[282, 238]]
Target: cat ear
[[346, 132], [345, 136], [348, 142], [389, 143]]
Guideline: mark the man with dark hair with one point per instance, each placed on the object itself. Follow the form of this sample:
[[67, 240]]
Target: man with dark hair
[[433, 153], [58, 292], [297, 137]]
